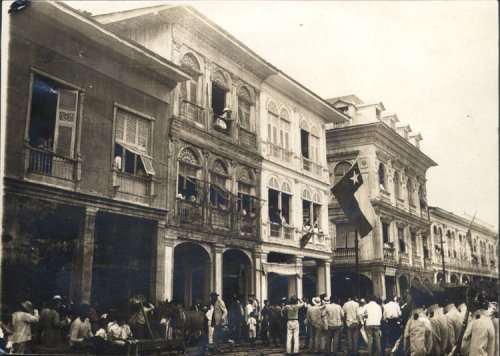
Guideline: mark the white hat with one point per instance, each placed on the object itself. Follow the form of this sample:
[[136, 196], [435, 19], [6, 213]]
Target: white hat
[[226, 109], [316, 301], [57, 296], [326, 300]]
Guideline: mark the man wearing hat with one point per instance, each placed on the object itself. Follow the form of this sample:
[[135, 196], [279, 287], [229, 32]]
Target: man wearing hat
[[317, 322], [291, 313], [51, 323], [219, 316], [334, 316], [418, 330], [439, 323], [455, 319], [21, 322], [353, 322], [479, 338]]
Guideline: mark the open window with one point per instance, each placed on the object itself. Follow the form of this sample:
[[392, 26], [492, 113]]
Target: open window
[[311, 211], [53, 118], [189, 89], [279, 200], [222, 114], [401, 238], [247, 200], [385, 233], [304, 143], [410, 190], [218, 194], [132, 138], [345, 236], [340, 170], [381, 176], [188, 183]]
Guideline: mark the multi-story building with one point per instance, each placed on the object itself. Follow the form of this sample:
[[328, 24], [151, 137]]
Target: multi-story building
[[463, 261], [223, 201], [85, 200], [394, 171]]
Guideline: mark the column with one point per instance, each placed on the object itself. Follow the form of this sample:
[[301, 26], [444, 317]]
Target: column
[[320, 278], [298, 278], [379, 284], [87, 255], [217, 252], [260, 278], [328, 278]]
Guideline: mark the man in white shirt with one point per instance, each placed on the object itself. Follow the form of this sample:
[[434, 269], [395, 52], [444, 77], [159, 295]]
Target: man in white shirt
[[392, 317], [353, 321], [373, 314]]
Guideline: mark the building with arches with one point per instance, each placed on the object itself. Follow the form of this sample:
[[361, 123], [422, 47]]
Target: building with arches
[[464, 261], [394, 170]]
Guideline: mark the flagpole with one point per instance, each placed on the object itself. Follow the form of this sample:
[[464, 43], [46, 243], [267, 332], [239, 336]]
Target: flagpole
[[442, 258], [356, 251]]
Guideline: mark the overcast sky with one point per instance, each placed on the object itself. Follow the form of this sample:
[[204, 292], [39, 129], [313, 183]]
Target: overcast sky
[[435, 64]]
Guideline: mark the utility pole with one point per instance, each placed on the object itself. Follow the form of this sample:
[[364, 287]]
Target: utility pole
[[442, 258], [356, 251]]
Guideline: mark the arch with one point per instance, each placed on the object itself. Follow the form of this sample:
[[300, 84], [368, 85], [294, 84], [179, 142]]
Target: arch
[[237, 273], [304, 125], [435, 229], [440, 232], [341, 169], [273, 183], [271, 107], [188, 155], [285, 187], [440, 277], [316, 198], [315, 131], [404, 285], [245, 94], [416, 278], [284, 114], [381, 175], [189, 61], [219, 167], [465, 279], [219, 78], [453, 278], [245, 176], [192, 273], [306, 194]]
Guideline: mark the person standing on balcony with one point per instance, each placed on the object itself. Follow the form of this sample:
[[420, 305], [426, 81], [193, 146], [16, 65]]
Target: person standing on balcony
[[373, 314]]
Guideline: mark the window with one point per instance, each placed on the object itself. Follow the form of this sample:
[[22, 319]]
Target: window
[[244, 105], [54, 111], [219, 195], [414, 243], [314, 150], [132, 136], [279, 200], [397, 185], [189, 89], [273, 128], [218, 99], [284, 127], [304, 143], [381, 176], [340, 170], [385, 232], [247, 202], [401, 237], [220, 89], [425, 246], [409, 188], [311, 210], [345, 236], [188, 184]]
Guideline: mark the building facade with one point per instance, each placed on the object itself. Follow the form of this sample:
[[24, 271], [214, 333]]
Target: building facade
[[84, 204], [394, 171], [463, 261]]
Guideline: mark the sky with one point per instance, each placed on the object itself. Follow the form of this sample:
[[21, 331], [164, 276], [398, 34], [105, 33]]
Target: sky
[[433, 63]]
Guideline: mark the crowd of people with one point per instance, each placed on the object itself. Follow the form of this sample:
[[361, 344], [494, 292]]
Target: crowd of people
[[434, 319]]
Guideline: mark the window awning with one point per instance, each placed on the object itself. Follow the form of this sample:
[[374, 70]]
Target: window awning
[[147, 161]]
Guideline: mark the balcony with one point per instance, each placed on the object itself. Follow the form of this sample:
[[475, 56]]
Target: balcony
[[220, 218], [132, 187], [417, 262], [248, 225], [189, 212], [345, 254], [427, 263], [310, 166], [248, 138], [404, 258], [389, 254], [278, 231], [280, 153], [385, 196], [50, 167], [192, 112]]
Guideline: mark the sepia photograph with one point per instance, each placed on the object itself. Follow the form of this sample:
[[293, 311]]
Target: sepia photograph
[[249, 178]]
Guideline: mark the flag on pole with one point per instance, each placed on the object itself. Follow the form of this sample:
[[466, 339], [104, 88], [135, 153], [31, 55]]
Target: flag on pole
[[353, 199], [468, 235]]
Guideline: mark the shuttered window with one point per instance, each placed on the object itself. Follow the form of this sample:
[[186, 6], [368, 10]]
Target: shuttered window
[[65, 128]]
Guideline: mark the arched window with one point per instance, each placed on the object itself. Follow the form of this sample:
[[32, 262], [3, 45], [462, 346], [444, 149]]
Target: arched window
[[278, 132], [340, 170], [435, 230], [247, 201], [284, 138], [188, 184], [397, 185], [219, 194], [381, 176], [189, 89], [244, 107], [220, 89], [311, 210], [279, 203]]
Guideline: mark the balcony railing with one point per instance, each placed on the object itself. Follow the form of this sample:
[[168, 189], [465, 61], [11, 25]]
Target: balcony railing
[[403, 258], [248, 138], [385, 196], [220, 218], [50, 164], [192, 111], [281, 231], [280, 153], [189, 212], [417, 262], [248, 224], [132, 185], [310, 166], [345, 253], [389, 254]]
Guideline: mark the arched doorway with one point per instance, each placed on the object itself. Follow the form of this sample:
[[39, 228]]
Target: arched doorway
[[344, 286], [440, 277], [465, 279], [454, 279], [237, 274], [192, 274]]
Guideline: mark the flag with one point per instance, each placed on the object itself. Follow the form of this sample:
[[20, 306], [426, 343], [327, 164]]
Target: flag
[[353, 199], [468, 235], [304, 240]]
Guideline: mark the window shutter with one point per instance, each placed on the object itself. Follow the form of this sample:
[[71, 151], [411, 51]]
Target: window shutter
[[148, 165], [184, 90], [143, 133], [65, 131], [193, 88], [120, 125], [131, 130]]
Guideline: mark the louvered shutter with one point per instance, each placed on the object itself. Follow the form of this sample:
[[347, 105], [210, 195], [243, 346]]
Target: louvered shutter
[[142, 134], [148, 165], [130, 130], [120, 125], [65, 130], [193, 88]]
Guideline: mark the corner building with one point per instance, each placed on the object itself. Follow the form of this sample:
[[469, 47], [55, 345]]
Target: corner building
[[394, 171]]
